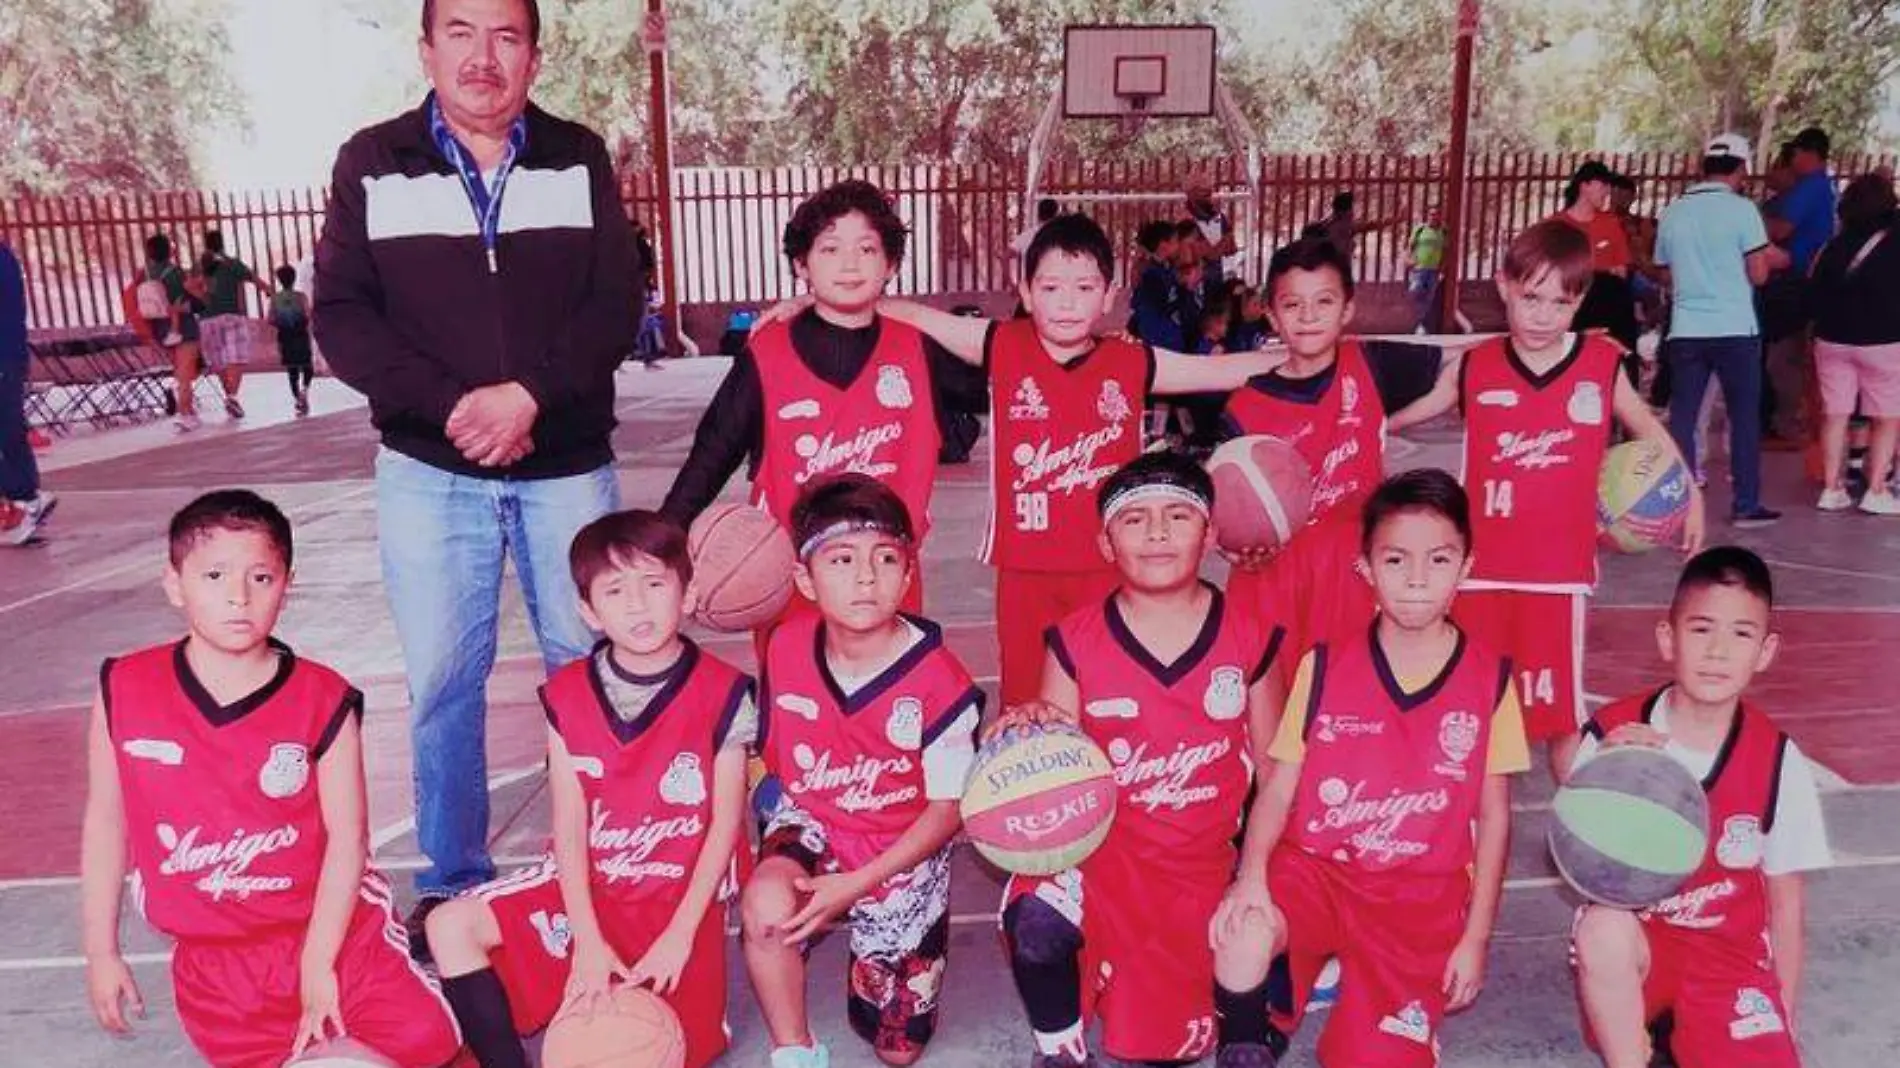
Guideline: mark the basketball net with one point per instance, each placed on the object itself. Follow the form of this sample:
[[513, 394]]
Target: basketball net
[[1131, 120]]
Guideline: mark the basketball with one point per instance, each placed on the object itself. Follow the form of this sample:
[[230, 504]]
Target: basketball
[[635, 1030], [742, 566], [1629, 828], [1642, 497], [1263, 493], [341, 1053], [1039, 799]]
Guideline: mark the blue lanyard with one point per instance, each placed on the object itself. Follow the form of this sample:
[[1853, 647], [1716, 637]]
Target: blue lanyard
[[485, 203]]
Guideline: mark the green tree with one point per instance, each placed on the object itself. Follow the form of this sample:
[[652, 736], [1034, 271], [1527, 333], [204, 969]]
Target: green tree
[[108, 95]]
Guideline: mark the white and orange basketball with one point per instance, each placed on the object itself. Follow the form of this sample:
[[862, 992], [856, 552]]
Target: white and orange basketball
[[341, 1052], [636, 1029], [1039, 800], [742, 566], [1263, 493]]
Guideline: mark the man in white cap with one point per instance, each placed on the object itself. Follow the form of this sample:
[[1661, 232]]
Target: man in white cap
[[1714, 247]]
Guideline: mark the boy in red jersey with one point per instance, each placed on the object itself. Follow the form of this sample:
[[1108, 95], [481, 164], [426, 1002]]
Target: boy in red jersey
[[1724, 955], [229, 771], [1326, 400], [1537, 406], [1178, 686], [1379, 835], [868, 722], [647, 740], [1065, 413]]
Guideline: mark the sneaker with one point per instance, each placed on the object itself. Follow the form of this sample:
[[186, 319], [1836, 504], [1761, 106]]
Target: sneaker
[[302, 405], [417, 927], [18, 525], [816, 1056], [1880, 503], [1755, 517], [41, 506], [1246, 1055], [186, 423], [232, 408], [1834, 499], [173, 340]]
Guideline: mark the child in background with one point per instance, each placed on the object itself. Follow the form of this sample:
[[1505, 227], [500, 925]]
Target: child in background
[[290, 314]]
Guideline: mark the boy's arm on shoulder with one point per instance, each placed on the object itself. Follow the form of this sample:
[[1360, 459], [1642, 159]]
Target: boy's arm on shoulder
[[962, 336], [1176, 372]]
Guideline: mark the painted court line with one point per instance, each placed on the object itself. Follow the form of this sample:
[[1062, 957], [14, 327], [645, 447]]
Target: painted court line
[[403, 826]]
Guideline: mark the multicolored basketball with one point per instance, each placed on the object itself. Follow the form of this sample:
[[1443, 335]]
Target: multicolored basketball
[[634, 1029], [1263, 492], [1643, 497], [1039, 799], [342, 1052], [742, 565], [1630, 827]]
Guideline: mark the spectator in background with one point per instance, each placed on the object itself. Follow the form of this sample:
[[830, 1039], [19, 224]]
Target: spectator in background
[[225, 328], [1713, 245], [179, 334], [1217, 232], [1248, 328], [23, 507], [1046, 209], [1425, 258], [1800, 220], [290, 316], [1856, 302], [1640, 233], [1608, 304], [1154, 307]]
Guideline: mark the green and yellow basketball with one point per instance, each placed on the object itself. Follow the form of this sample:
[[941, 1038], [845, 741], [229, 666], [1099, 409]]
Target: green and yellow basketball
[[1643, 496], [1039, 799], [1629, 828]]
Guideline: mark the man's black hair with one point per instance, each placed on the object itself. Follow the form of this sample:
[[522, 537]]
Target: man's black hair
[[1342, 202], [834, 202], [230, 509], [1721, 166], [1593, 170], [214, 241], [1424, 489], [1813, 139], [1313, 253], [1153, 233], [1047, 209], [158, 248], [534, 21], [286, 276], [1187, 228], [1156, 468], [1725, 565], [1075, 234]]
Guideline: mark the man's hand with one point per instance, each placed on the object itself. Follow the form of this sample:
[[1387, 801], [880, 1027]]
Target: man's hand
[[830, 896], [492, 426]]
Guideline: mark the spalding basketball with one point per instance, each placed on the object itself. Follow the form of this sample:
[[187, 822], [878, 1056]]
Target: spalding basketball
[[742, 565], [1629, 828], [1643, 497], [632, 1029], [1039, 799], [342, 1052], [1263, 493]]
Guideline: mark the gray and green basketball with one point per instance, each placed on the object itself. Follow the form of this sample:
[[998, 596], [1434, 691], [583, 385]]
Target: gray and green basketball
[[1629, 828]]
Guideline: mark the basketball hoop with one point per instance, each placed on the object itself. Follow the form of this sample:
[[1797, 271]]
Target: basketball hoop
[[1135, 111]]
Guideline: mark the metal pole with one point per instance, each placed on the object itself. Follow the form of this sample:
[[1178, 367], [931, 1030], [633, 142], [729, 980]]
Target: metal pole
[[1455, 163], [659, 110]]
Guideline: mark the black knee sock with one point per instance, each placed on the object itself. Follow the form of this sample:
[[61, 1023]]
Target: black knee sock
[[1045, 960], [1241, 1016], [488, 1026]]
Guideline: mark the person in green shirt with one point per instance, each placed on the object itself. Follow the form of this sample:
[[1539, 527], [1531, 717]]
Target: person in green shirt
[[1421, 282], [226, 333]]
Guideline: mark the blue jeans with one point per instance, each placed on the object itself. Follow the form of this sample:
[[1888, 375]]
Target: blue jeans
[[1421, 285], [1736, 364], [443, 540], [19, 471]]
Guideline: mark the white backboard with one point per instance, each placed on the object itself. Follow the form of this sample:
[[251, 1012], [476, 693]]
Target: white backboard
[[1104, 67]]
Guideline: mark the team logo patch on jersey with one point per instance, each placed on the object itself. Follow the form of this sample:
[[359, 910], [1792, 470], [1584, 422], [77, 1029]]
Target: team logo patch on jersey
[[1741, 843], [803, 707], [893, 387], [683, 783], [1226, 696], [1498, 398], [1457, 737], [803, 756], [556, 935], [1114, 708], [1348, 401], [1334, 792], [806, 408], [1119, 750], [1113, 404], [157, 750], [286, 771], [1755, 1015], [589, 766], [1028, 402], [905, 728], [1586, 404], [1330, 728], [1410, 1023]]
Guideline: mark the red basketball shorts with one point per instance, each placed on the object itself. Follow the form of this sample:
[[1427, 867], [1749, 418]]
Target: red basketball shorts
[[535, 957], [239, 1001], [1028, 603], [1313, 588], [1726, 1001], [913, 603], [1147, 970], [1542, 633], [1392, 933]]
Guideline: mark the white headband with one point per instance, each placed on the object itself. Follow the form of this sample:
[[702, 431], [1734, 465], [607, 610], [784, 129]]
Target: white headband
[[847, 526], [1171, 491]]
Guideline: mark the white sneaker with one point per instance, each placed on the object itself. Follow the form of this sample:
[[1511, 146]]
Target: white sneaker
[[41, 506], [17, 526], [1880, 504], [173, 339], [185, 424], [1834, 499]]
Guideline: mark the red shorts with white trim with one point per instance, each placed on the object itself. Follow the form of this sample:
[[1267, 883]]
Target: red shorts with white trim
[[535, 957], [239, 1001], [1313, 588], [1393, 933], [1726, 1002], [1028, 603], [1542, 634]]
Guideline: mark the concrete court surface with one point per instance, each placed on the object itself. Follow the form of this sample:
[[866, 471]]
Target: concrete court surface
[[92, 591]]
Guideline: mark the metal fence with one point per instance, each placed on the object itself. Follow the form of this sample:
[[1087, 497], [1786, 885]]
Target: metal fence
[[80, 252]]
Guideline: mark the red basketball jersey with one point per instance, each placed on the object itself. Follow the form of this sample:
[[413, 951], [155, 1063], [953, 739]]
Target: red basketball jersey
[[648, 782], [1392, 780], [1341, 435], [1533, 447], [883, 424], [1727, 896], [222, 819], [856, 762], [1175, 733], [1057, 430]]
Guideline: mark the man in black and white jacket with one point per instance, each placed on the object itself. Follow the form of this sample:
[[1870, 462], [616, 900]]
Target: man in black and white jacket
[[477, 280]]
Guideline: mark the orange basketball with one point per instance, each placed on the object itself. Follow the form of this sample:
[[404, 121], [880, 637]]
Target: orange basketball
[[1263, 492], [341, 1053], [633, 1029], [742, 565]]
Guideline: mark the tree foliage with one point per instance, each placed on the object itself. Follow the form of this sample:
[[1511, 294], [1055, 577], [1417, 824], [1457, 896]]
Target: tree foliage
[[103, 95]]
